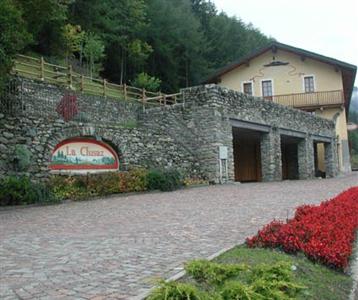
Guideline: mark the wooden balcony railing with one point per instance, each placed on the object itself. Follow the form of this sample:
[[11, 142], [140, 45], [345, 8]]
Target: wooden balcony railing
[[308, 100]]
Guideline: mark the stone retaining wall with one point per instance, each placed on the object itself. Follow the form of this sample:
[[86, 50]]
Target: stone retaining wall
[[185, 137], [37, 126], [137, 147]]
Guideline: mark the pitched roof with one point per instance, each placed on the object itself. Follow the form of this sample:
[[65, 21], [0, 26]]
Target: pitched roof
[[348, 70]]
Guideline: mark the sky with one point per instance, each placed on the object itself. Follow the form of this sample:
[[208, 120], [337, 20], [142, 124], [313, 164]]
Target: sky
[[327, 27]]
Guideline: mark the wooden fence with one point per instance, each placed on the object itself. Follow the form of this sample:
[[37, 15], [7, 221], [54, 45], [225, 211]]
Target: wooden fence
[[38, 68]]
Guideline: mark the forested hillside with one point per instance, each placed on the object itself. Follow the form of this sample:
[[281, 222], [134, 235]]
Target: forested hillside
[[354, 103], [166, 44]]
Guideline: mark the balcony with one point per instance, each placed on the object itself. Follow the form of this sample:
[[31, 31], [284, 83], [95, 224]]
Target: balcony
[[310, 100]]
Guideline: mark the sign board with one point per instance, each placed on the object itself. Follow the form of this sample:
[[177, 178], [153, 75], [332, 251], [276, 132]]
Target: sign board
[[223, 152], [83, 154]]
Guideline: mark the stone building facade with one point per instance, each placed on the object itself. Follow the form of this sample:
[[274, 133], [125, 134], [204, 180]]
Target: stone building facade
[[186, 136], [297, 78]]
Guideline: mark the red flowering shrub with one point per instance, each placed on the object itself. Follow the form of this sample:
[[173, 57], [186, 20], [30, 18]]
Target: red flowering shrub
[[324, 232]]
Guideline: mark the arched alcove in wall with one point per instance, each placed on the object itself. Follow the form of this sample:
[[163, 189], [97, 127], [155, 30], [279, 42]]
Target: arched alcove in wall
[[79, 141], [84, 154]]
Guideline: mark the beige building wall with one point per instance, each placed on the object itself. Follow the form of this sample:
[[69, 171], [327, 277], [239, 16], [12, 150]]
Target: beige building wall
[[286, 79], [289, 79], [339, 116]]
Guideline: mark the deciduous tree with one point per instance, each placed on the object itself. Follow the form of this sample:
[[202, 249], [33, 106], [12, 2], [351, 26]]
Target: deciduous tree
[[93, 50], [13, 36]]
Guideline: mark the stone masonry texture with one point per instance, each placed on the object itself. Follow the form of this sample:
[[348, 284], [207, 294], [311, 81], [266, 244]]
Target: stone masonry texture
[[185, 136]]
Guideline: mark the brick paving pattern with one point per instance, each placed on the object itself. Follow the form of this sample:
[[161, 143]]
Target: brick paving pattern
[[114, 248]]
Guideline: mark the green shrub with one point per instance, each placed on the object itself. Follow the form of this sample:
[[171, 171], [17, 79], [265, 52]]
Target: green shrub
[[155, 179], [23, 157], [101, 184], [283, 290], [232, 282], [277, 272], [44, 194], [20, 191], [78, 187], [16, 191], [164, 180], [274, 281], [177, 291], [173, 180], [237, 290], [133, 181], [212, 273], [144, 80], [68, 187]]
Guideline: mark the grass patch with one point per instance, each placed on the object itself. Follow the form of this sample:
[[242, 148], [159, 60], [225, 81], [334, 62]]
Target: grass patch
[[321, 282], [256, 274]]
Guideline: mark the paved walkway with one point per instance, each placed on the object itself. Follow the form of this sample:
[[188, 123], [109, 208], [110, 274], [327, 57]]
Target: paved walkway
[[113, 248]]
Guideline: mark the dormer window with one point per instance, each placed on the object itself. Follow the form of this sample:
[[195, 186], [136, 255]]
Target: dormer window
[[309, 84]]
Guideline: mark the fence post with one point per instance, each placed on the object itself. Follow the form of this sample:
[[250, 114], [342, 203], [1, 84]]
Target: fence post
[[125, 91], [104, 87], [143, 98], [70, 75], [42, 68], [165, 100], [182, 97]]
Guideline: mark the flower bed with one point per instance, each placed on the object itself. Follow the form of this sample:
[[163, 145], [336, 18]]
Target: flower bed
[[77, 187], [325, 232], [21, 190]]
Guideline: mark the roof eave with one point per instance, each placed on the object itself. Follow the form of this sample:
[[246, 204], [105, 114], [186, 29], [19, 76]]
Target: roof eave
[[340, 64]]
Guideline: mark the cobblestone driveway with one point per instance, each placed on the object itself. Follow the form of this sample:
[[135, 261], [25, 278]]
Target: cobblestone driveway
[[113, 248]]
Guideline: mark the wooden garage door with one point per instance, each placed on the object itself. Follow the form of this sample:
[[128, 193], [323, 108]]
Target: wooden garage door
[[247, 160]]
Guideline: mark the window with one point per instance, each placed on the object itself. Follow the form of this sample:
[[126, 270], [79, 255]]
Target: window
[[267, 89], [247, 88], [309, 84]]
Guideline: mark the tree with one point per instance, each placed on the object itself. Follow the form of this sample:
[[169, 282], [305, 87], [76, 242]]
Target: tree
[[353, 116], [74, 38], [143, 80], [45, 20], [353, 139], [120, 24], [13, 36], [93, 50], [176, 57], [196, 41], [228, 38], [204, 11], [179, 42], [139, 51]]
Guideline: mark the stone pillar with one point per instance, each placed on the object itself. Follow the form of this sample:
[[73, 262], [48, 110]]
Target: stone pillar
[[330, 156], [214, 130], [346, 159], [305, 151], [271, 161]]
